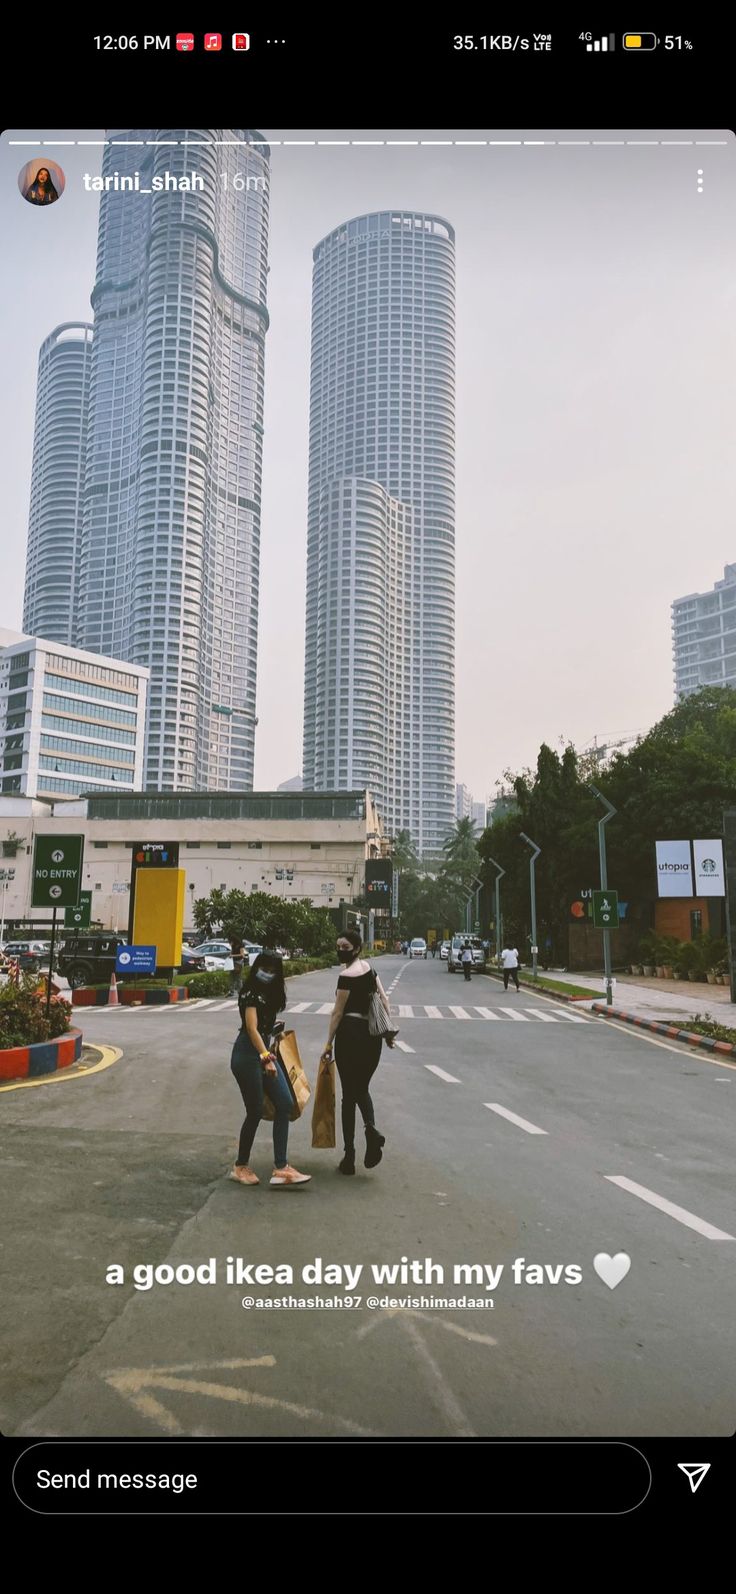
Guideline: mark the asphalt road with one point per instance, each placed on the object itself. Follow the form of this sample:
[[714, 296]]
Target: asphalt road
[[508, 1120]]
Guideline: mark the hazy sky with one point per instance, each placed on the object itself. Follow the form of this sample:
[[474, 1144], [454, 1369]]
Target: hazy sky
[[596, 410]]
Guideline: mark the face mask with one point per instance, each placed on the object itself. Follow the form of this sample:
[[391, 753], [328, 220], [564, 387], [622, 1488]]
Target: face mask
[[346, 956], [263, 978]]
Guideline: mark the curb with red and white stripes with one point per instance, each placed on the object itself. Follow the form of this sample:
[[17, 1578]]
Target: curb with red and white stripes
[[671, 1030]]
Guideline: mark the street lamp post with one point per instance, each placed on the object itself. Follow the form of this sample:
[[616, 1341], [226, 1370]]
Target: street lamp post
[[604, 885], [533, 894], [499, 873]]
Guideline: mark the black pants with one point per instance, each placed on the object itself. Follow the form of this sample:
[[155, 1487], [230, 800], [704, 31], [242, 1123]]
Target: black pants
[[357, 1055], [514, 975], [466, 970]]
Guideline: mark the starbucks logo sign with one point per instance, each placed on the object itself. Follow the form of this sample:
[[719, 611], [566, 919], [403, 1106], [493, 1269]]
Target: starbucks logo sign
[[709, 866]]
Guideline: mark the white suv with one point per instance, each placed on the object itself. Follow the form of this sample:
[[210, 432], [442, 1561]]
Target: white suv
[[454, 956], [418, 948]]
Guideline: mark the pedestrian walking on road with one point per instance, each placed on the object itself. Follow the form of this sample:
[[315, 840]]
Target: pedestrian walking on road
[[257, 1070], [357, 1052], [466, 958], [238, 952], [434, 949], [510, 966]]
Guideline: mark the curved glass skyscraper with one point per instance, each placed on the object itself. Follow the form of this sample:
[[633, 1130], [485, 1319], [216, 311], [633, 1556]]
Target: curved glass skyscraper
[[57, 481], [379, 678], [168, 563]]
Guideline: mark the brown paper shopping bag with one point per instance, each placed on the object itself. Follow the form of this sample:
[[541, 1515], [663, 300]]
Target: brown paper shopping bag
[[288, 1054], [323, 1111]]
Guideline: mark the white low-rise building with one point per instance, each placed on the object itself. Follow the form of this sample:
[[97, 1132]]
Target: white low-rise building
[[290, 844]]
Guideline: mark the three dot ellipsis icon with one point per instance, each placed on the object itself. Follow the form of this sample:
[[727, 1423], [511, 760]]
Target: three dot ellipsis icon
[[700, 179]]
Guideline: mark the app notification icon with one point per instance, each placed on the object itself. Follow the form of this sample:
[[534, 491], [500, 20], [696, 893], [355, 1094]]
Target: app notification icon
[[241, 41], [213, 41], [185, 41]]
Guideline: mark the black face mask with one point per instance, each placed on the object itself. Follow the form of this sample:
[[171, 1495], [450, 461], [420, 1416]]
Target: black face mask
[[264, 978], [346, 956]]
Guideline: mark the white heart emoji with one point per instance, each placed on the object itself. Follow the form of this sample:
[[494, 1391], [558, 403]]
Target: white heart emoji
[[612, 1269]]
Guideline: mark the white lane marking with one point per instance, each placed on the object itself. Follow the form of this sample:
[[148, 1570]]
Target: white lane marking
[[680, 1214], [219, 1005], [486, 1012], [326, 1007], [513, 1118], [440, 1072], [511, 1012], [544, 1018], [459, 1012], [298, 1007], [406, 1012], [200, 1001], [403, 1046], [433, 1012], [572, 1018]]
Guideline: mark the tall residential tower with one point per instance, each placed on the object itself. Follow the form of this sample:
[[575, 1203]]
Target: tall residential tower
[[57, 482], [169, 552], [704, 637], [379, 674]]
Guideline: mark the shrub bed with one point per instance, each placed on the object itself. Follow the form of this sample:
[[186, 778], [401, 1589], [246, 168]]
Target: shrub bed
[[709, 1026], [23, 1020]]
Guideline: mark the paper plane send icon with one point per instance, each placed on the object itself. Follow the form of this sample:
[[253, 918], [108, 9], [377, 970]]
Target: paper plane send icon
[[694, 1471]]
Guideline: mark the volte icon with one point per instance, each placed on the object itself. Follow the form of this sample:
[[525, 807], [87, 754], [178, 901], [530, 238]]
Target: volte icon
[[694, 1472]]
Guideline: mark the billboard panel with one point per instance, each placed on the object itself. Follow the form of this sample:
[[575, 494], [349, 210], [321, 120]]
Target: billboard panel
[[379, 880], [710, 878], [674, 869]]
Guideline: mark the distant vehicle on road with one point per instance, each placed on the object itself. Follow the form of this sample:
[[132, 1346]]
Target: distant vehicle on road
[[454, 956], [445, 948], [418, 948], [30, 956]]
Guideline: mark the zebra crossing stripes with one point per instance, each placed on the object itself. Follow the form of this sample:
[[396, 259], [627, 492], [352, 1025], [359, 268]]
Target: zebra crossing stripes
[[459, 1012], [433, 1012], [450, 1014], [486, 1012]]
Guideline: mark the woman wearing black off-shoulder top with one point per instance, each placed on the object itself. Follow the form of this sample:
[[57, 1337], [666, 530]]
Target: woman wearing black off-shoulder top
[[357, 1052]]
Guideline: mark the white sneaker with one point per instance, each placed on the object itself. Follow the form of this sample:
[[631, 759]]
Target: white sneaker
[[287, 1175]]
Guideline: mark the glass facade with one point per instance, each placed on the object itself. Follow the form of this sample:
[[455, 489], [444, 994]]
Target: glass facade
[[57, 482], [168, 564], [379, 669]]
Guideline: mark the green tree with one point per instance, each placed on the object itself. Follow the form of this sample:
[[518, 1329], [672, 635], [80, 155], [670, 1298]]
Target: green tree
[[461, 858]]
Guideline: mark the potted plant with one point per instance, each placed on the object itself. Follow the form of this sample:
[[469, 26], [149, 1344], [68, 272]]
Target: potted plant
[[646, 953]]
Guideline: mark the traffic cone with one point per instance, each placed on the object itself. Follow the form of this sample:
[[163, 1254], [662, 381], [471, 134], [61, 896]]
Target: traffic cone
[[113, 999]]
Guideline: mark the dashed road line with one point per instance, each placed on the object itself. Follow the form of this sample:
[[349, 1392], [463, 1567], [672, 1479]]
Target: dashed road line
[[680, 1214], [513, 1118], [403, 1047], [440, 1072]]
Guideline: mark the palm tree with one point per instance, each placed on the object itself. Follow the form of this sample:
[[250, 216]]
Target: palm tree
[[461, 856], [403, 853]]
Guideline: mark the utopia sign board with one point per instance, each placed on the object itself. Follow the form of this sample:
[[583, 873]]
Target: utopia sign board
[[674, 869]]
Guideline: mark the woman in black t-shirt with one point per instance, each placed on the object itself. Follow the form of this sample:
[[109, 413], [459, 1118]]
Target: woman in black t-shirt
[[357, 1052], [257, 1069]]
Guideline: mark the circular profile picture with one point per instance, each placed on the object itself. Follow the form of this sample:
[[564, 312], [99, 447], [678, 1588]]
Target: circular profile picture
[[41, 182]]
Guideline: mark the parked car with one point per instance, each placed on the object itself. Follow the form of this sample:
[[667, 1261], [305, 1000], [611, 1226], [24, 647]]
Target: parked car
[[217, 954], [418, 948], [89, 959], [30, 956], [191, 963], [445, 948], [454, 956]]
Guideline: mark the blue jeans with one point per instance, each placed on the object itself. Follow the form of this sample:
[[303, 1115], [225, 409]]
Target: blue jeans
[[248, 1070]]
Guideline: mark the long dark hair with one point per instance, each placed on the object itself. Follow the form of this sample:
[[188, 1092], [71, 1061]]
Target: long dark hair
[[275, 994], [45, 188]]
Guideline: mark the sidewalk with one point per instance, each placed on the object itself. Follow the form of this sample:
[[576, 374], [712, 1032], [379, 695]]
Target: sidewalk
[[659, 999]]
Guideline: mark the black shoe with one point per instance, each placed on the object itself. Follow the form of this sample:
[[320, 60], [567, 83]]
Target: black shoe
[[374, 1144], [348, 1163]]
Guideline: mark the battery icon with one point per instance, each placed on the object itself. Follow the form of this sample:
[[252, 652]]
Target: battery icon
[[640, 41]]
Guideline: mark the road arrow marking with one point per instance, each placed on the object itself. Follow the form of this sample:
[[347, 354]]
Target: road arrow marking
[[135, 1384]]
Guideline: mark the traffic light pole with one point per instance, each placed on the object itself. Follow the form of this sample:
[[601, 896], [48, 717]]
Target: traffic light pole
[[604, 887]]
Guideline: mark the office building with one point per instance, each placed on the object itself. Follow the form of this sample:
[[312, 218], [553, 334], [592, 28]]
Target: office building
[[379, 666], [70, 721], [478, 816], [168, 560], [463, 802], [57, 482], [704, 637]]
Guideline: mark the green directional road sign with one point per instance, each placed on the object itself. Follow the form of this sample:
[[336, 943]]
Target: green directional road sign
[[605, 910], [79, 918], [57, 871]]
